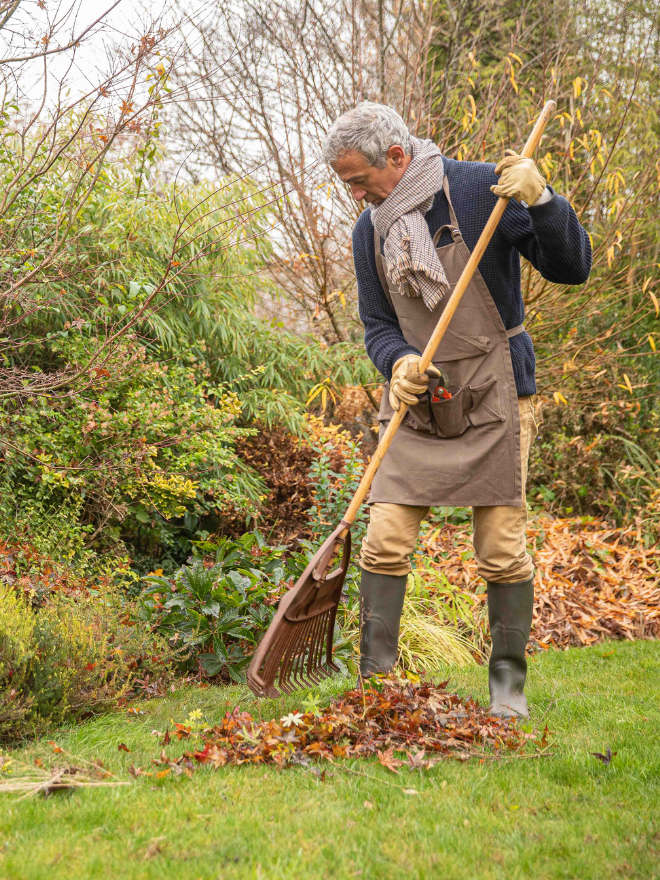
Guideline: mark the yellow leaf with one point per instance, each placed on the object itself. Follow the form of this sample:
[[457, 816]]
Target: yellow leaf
[[652, 342], [627, 381], [559, 398], [577, 87], [656, 304]]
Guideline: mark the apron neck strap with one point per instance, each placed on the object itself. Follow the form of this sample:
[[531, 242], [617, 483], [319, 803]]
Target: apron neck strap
[[445, 189]]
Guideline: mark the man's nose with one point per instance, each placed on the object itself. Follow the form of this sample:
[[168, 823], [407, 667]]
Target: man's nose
[[358, 193]]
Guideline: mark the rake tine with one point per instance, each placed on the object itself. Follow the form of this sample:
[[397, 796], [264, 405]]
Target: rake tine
[[320, 642], [312, 647], [275, 655], [286, 652], [304, 643], [312, 659], [317, 629], [288, 662]]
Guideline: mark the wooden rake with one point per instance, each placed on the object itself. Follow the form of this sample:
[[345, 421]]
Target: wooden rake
[[297, 647]]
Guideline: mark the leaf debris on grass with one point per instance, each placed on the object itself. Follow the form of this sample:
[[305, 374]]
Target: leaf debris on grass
[[29, 780], [398, 722]]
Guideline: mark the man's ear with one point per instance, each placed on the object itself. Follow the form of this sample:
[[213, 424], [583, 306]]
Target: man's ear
[[397, 154]]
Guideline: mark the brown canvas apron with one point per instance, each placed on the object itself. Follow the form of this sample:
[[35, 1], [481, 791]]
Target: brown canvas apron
[[462, 452]]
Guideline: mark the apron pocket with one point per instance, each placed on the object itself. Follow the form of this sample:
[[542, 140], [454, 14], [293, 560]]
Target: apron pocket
[[458, 347], [486, 403], [418, 416], [451, 416]]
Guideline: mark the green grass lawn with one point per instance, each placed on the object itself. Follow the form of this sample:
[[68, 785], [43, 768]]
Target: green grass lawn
[[562, 816]]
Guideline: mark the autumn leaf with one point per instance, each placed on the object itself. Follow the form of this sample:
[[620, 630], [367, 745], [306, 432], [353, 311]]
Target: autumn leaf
[[604, 758], [387, 759], [122, 747]]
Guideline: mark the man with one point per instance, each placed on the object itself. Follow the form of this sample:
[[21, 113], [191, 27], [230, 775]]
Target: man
[[466, 437]]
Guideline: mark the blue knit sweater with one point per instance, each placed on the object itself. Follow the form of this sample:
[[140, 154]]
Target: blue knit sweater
[[549, 236]]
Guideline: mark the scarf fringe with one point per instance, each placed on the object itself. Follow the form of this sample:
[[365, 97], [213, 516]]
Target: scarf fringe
[[401, 276]]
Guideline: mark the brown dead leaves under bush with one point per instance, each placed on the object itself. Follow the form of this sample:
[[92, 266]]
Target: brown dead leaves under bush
[[397, 722], [593, 582]]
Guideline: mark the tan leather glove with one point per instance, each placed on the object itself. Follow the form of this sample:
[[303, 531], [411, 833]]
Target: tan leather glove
[[520, 179], [407, 382]]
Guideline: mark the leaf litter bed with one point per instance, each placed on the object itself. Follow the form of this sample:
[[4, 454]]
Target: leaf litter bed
[[398, 722], [593, 582]]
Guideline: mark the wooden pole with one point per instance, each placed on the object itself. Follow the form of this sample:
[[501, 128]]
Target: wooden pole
[[445, 318]]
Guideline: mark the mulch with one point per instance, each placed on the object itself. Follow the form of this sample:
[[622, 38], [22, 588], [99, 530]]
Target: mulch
[[593, 582]]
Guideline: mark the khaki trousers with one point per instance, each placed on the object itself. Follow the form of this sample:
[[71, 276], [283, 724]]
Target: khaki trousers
[[499, 533]]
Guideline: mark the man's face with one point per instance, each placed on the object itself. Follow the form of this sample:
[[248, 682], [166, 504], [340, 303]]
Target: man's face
[[368, 182]]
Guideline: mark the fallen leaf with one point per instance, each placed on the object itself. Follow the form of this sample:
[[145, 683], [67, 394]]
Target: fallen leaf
[[122, 747], [605, 758], [369, 805], [387, 759], [410, 791]]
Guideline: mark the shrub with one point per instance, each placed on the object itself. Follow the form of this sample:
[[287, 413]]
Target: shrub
[[214, 613], [69, 660]]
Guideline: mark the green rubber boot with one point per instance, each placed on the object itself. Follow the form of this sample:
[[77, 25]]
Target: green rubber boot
[[381, 604], [510, 608]]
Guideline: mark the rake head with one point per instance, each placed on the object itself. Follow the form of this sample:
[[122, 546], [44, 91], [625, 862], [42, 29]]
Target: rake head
[[297, 647]]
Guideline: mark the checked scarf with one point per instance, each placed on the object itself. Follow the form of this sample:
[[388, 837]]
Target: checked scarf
[[411, 259]]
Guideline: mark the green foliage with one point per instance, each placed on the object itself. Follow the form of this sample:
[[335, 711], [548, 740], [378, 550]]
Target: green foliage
[[144, 461], [214, 614], [69, 659], [145, 447]]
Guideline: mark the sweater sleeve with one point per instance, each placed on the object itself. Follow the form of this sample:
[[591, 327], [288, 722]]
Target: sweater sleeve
[[383, 338], [551, 237]]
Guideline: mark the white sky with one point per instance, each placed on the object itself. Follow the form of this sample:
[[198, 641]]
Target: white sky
[[84, 66]]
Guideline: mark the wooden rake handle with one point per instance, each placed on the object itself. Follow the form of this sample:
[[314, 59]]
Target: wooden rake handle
[[445, 318]]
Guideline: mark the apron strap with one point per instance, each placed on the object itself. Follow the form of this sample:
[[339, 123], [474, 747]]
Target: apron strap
[[515, 331], [380, 268], [445, 189]]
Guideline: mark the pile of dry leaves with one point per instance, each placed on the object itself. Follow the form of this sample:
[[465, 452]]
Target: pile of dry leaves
[[593, 582], [396, 721]]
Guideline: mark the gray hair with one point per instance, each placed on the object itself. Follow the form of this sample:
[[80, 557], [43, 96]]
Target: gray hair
[[369, 128]]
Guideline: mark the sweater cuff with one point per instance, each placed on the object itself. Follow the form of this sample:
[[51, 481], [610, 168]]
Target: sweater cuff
[[398, 353], [545, 211]]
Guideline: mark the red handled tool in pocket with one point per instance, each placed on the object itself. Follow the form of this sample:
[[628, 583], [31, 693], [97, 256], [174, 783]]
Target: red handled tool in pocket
[[441, 392]]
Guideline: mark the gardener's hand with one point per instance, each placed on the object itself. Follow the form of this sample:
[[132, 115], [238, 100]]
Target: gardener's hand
[[407, 382], [520, 179]]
